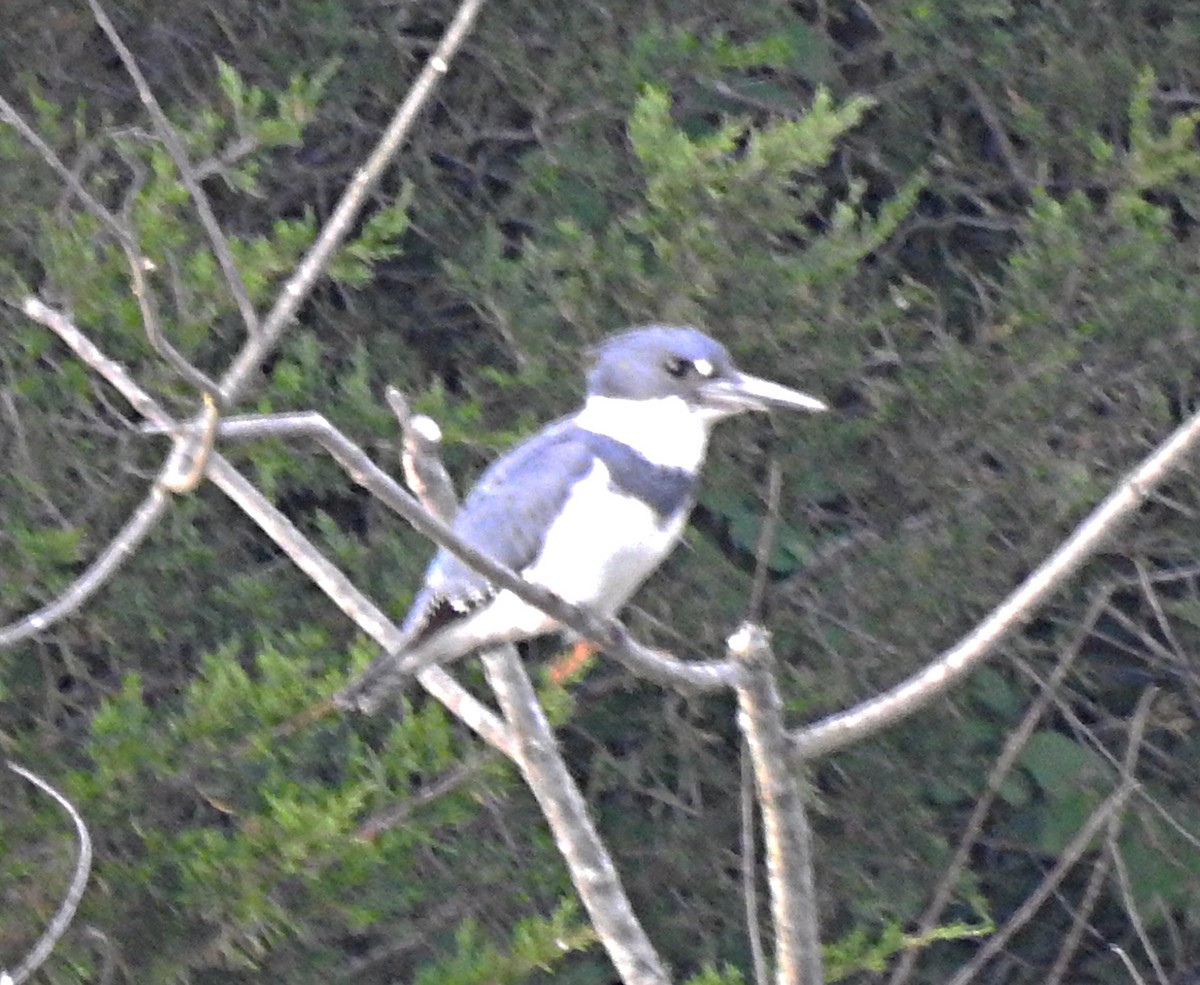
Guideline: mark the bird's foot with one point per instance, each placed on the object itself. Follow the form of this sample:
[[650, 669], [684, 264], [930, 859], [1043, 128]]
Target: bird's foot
[[570, 665]]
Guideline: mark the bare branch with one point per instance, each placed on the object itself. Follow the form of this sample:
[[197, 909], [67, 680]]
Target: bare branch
[[277, 526], [1005, 762], [66, 911], [844, 728], [592, 871], [422, 461], [258, 343], [609, 634], [349, 599], [766, 543], [750, 868], [14, 119], [786, 832], [118, 551], [139, 266], [1113, 838], [166, 132], [340, 222], [392, 817], [122, 231], [189, 456], [180, 465]]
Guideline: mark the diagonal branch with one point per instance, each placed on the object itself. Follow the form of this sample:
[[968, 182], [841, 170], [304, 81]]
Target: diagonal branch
[[592, 870], [1104, 815], [180, 466], [1014, 745], [116, 553], [122, 232], [301, 283], [66, 911], [277, 526], [609, 634], [847, 727], [258, 345], [536, 751]]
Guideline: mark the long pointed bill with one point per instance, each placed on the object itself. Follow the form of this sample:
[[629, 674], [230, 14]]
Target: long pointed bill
[[746, 392]]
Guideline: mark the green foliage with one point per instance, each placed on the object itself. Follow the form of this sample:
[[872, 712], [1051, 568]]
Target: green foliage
[[537, 945], [713, 976], [858, 952], [1002, 339]]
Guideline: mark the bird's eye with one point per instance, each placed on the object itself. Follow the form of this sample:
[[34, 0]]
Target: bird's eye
[[677, 366]]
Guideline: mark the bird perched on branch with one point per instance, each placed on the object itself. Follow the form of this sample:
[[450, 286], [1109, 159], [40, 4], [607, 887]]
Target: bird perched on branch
[[588, 507]]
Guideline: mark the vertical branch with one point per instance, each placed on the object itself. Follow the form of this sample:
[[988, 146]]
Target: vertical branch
[[786, 833], [749, 868], [766, 543], [592, 870]]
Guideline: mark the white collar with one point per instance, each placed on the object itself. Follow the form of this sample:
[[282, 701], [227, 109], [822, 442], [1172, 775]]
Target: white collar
[[664, 430]]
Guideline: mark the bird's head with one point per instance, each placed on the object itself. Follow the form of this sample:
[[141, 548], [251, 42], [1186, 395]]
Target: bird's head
[[660, 362]]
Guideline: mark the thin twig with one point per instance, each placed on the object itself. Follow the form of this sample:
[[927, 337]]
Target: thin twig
[[122, 232], [766, 543], [1005, 762], [139, 266], [14, 119], [170, 139], [1112, 839], [66, 911], [1112, 805]]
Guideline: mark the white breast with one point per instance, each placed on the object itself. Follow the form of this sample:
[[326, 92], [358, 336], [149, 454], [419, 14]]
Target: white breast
[[603, 545], [597, 553]]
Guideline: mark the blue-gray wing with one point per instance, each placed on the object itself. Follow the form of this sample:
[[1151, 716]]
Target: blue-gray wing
[[505, 516]]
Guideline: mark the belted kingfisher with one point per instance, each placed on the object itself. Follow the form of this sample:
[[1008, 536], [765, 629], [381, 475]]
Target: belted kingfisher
[[588, 507]]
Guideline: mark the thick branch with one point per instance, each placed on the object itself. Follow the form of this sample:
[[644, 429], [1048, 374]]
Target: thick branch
[[847, 727], [592, 871], [787, 836]]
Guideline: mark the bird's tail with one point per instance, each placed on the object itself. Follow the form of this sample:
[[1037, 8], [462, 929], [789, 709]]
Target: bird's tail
[[390, 672], [384, 678]]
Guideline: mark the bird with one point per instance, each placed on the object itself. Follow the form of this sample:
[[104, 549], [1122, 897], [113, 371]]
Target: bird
[[587, 508]]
